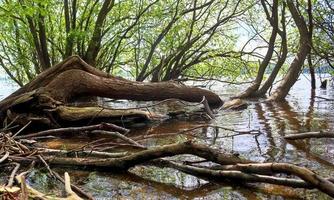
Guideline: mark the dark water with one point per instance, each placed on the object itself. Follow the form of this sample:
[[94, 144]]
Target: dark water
[[303, 112]]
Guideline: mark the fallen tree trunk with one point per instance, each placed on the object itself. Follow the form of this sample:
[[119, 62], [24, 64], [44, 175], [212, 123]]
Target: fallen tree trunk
[[74, 83], [73, 77], [44, 99]]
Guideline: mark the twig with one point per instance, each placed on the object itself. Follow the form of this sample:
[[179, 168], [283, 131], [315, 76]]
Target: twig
[[24, 127], [4, 157], [256, 132], [207, 108], [327, 99], [7, 127], [88, 144], [69, 192], [74, 187], [72, 130], [113, 145], [24, 190], [116, 134], [219, 127], [195, 78], [46, 165], [159, 135], [12, 175], [89, 152]]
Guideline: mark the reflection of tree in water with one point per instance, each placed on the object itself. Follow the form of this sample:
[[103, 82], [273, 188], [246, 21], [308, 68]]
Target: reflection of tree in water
[[281, 117], [266, 128], [287, 114], [310, 112]]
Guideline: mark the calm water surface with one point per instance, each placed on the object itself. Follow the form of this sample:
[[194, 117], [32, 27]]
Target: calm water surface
[[303, 112]]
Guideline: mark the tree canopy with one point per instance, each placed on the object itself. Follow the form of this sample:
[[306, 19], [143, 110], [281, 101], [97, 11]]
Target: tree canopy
[[160, 40]]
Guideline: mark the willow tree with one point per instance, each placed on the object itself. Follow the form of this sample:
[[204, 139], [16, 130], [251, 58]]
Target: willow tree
[[323, 34], [271, 12], [305, 29], [305, 43], [147, 40]]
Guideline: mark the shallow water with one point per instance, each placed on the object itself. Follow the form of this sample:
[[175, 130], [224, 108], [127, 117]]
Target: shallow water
[[303, 112]]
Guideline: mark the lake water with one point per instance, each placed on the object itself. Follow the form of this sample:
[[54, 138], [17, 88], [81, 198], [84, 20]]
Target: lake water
[[303, 112], [7, 86]]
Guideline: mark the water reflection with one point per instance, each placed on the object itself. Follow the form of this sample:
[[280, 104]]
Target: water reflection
[[301, 113]]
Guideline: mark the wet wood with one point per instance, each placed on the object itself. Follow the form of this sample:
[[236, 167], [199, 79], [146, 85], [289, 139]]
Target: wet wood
[[233, 174], [235, 104], [307, 135], [80, 153], [307, 175], [35, 194], [75, 130], [126, 162], [43, 100]]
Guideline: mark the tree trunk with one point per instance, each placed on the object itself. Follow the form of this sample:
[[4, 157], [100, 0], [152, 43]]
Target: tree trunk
[[296, 65], [74, 83], [281, 60], [274, 22], [310, 30], [312, 73], [42, 100]]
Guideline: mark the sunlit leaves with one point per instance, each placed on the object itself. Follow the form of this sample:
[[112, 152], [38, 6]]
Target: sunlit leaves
[[192, 45]]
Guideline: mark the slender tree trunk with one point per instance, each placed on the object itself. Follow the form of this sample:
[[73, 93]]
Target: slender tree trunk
[[309, 58], [95, 42], [281, 60], [69, 40], [296, 65], [43, 42], [142, 74], [312, 73], [263, 65]]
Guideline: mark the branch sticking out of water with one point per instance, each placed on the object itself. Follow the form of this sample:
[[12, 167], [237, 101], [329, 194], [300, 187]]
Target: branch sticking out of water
[[307, 135]]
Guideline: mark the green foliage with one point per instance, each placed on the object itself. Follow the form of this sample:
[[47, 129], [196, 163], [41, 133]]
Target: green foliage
[[144, 39]]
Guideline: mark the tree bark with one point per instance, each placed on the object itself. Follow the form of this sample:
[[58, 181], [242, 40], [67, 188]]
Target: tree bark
[[296, 65], [95, 42], [281, 60], [74, 83], [309, 57], [312, 73], [42, 100]]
